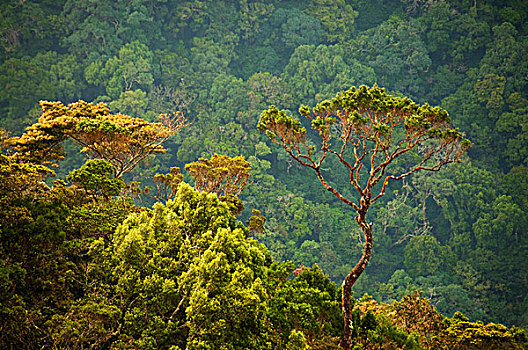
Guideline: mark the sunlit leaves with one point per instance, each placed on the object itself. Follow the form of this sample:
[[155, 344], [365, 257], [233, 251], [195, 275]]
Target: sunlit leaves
[[281, 128], [221, 174], [462, 334], [121, 140], [228, 294], [167, 184]]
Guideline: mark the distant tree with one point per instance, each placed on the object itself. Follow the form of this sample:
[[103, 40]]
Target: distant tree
[[130, 69], [366, 130], [167, 184], [209, 59], [424, 255], [291, 28], [119, 139], [131, 102], [336, 16], [221, 174], [24, 23], [26, 80], [252, 14], [396, 53], [266, 87], [316, 72], [99, 29]]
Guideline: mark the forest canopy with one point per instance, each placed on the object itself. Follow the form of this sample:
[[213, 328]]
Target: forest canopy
[[119, 119]]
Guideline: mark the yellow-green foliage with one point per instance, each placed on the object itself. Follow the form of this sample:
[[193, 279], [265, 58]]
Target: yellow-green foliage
[[416, 317], [459, 333]]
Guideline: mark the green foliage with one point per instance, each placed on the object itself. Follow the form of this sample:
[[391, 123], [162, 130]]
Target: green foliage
[[297, 341], [101, 29], [226, 293], [309, 303], [87, 322], [24, 24], [44, 236], [130, 102], [424, 255], [210, 59], [131, 69], [373, 328], [317, 72], [35, 279], [27, 80], [139, 276], [336, 17], [222, 63], [290, 28], [252, 14], [95, 178], [164, 274], [395, 52]]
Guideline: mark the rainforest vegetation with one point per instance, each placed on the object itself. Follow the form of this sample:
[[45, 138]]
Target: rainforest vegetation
[[158, 191]]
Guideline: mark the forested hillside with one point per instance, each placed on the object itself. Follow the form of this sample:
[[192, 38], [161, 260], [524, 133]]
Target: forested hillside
[[88, 258]]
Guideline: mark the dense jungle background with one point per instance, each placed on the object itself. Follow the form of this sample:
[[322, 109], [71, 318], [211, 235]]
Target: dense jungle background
[[68, 278]]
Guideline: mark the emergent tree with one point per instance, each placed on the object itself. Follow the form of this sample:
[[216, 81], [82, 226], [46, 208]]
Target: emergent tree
[[121, 140], [366, 130]]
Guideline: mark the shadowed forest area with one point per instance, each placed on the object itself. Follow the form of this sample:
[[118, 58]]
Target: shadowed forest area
[[157, 190]]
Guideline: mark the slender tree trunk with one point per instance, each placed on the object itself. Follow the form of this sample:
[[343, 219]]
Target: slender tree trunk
[[351, 278]]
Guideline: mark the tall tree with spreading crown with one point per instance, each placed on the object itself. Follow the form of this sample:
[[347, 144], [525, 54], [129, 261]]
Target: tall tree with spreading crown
[[367, 131]]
